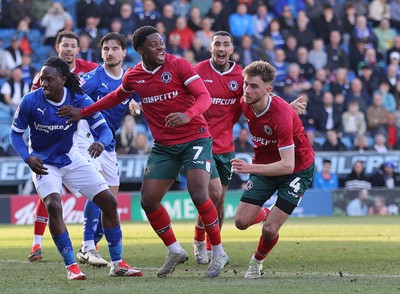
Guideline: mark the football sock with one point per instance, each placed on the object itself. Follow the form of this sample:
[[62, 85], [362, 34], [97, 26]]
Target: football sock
[[161, 224], [199, 233], [261, 216], [208, 243], [209, 217], [37, 239], [264, 247], [99, 232], [41, 218], [114, 240], [91, 214], [175, 247], [64, 246]]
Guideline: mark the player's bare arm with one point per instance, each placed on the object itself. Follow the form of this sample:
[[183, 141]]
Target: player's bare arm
[[36, 165], [299, 105], [70, 111], [176, 119], [134, 108], [279, 168]]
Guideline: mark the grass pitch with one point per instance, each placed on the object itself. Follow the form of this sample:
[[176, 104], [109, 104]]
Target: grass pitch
[[313, 255]]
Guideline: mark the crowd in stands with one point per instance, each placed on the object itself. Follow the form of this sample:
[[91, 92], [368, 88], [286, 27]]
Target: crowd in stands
[[342, 56]]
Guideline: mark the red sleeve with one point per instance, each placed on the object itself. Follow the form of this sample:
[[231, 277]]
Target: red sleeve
[[202, 96], [110, 100], [36, 83]]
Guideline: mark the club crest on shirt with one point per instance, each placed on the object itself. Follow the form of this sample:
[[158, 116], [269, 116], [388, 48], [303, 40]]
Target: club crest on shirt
[[233, 85], [268, 130], [166, 77]]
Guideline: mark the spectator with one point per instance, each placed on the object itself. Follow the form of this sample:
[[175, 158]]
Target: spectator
[[325, 179], [357, 93], [349, 20], [380, 145], [149, 16], [275, 33], [266, 50], [247, 52], [310, 131], [54, 21], [313, 9], [168, 18], [287, 20], [242, 144], [195, 19], [204, 5], [358, 206], [362, 31], [391, 131], [315, 95], [317, 56], [353, 120], [333, 142], [290, 48], [14, 89], [94, 33], [217, 17], [388, 100], [357, 179], [378, 10], [385, 36], [395, 14], [162, 30], [205, 34], [126, 138], [109, 10], [302, 31], [295, 83], [336, 56], [376, 113], [357, 53], [200, 53], [261, 22], [379, 207], [241, 23], [128, 20], [340, 84], [392, 78], [295, 6], [369, 82], [361, 144], [85, 52], [307, 70], [189, 56], [173, 45], [140, 145], [377, 66], [185, 33], [13, 56], [28, 71], [385, 176], [181, 8], [40, 8], [327, 116], [395, 47], [86, 9], [22, 9], [327, 23]]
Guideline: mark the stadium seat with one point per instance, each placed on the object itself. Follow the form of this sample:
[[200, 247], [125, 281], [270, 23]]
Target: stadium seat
[[348, 142], [320, 140]]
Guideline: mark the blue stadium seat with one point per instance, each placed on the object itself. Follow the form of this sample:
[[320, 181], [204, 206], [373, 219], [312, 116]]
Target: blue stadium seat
[[320, 140], [348, 142], [236, 130]]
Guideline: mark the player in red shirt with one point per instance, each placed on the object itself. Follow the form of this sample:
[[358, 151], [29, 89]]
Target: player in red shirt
[[173, 99], [224, 81], [283, 161], [67, 47]]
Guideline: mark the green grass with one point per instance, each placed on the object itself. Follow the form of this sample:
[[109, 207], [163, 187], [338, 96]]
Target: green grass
[[314, 255]]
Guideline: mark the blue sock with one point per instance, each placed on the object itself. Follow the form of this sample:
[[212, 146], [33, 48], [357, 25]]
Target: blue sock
[[64, 246], [99, 232], [114, 239], [91, 214]]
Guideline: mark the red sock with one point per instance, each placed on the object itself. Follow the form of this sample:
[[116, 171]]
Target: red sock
[[208, 244], [161, 223], [209, 216], [261, 216], [41, 217], [199, 233], [264, 247]]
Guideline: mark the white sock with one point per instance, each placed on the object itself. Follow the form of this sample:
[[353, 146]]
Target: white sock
[[116, 262], [88, 245], [37, 239], [256, 260], [217, 250], [175, 248]]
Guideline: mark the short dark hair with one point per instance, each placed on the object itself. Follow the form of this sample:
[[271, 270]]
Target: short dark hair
[[140, 35], [326, 161], [114, 36], [66, 34], [222, 33]]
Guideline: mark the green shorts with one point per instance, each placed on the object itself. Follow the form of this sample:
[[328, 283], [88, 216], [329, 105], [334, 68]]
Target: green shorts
[[221, 167], [165, 162], [290, 187]]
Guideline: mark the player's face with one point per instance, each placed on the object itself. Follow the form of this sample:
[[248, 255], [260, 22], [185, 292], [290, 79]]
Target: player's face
[[254, 89], [68, 49], [221, 49], [112, 53], [52, 83], [153, 51]]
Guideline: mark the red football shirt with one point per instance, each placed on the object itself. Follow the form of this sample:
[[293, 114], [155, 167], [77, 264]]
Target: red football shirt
[[164, 91], [278, 127], [81, 67], [225, 89]]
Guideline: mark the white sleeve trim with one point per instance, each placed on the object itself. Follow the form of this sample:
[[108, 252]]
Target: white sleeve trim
[[286, 147], [126, 91], [191, 79], [17, 129], [98, 123]]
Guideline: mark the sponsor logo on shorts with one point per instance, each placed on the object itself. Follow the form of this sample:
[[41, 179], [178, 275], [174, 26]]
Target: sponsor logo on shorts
[[198, 162], [208, 165], [249, 185], [38, 177], [147, 170]]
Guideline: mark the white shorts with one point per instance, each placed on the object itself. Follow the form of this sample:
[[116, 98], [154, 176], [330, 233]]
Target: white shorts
[[109, 167], [80, 177]]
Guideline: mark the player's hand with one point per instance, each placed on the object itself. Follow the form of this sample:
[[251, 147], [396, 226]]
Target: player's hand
[[95, 149], [134, 108], [37, 165], [240, 166], [299, 105], [176, 119], [70, 111]]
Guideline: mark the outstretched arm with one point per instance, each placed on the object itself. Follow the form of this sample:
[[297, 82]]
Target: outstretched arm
[[299, 105]]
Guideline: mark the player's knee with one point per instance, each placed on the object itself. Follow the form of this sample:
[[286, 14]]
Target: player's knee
[[270, 231], [241, 223], [54, 207]]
